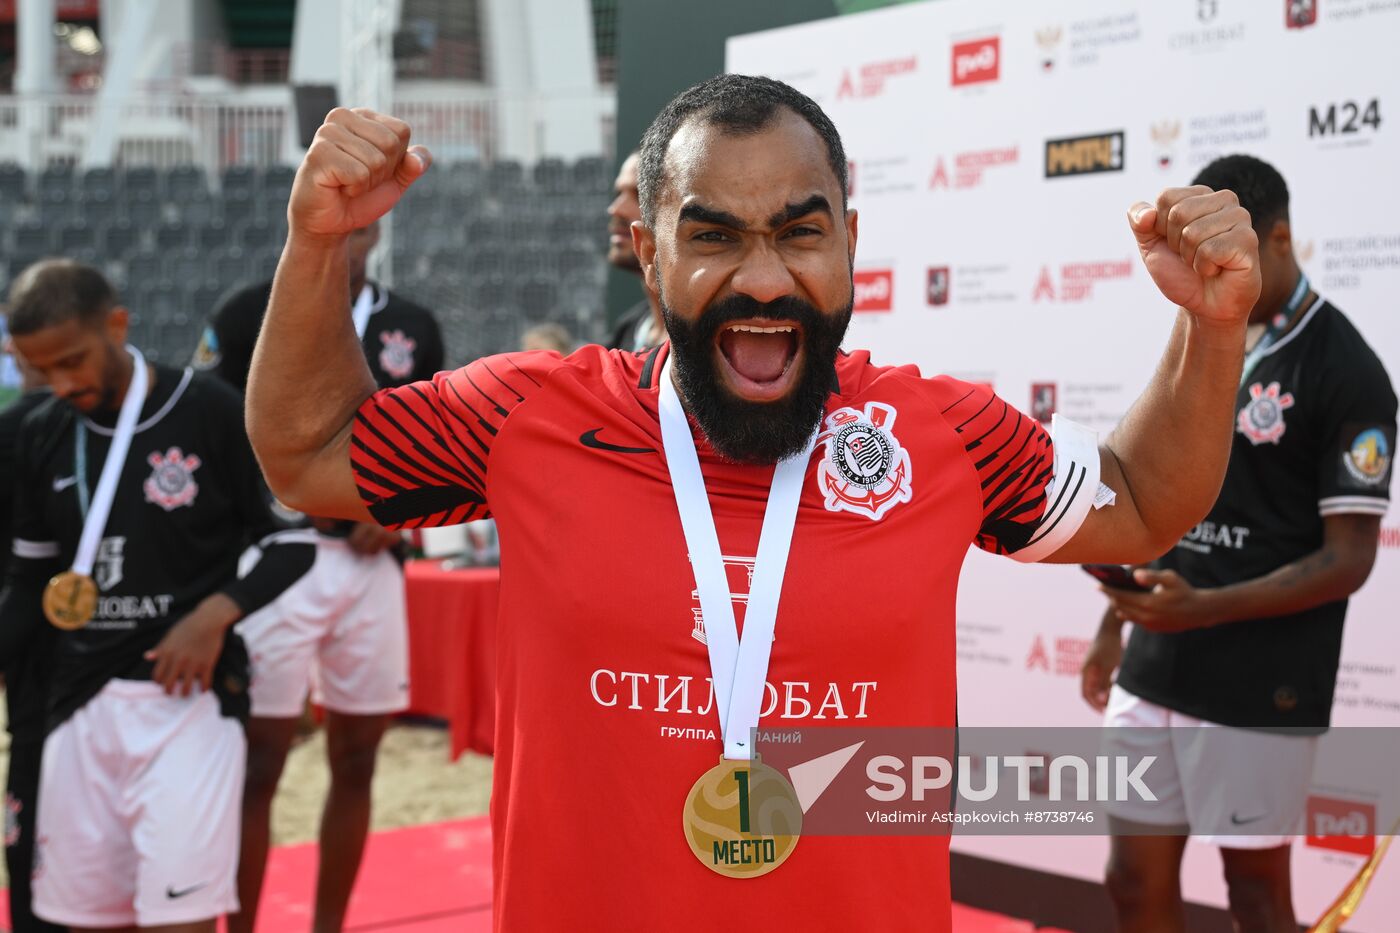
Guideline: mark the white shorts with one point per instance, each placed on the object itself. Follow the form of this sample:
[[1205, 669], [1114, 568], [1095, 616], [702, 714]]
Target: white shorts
[[1218, 780], [139, 808], [341, 631]]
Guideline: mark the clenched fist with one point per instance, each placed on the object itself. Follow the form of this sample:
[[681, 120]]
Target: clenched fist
[[1201, 251], [357, 168]]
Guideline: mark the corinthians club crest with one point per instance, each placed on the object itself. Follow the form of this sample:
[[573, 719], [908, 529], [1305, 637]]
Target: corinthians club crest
[[1261, 420], [396, 358], [864, 470], [171, 483]]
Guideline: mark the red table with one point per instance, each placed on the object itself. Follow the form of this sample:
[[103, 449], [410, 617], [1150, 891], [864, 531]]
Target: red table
[[452, 649]]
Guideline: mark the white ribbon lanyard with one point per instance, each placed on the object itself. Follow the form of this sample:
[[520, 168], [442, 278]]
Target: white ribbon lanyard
[[363, 308], [739, 670], [95, 518]]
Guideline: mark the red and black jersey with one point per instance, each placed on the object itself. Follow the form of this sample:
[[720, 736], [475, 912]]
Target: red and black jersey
[[605, 712]]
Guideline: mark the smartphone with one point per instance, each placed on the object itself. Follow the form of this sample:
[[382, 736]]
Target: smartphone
[[1115, 575]]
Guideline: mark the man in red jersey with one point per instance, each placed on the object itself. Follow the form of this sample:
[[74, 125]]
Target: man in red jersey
[[615, 695]]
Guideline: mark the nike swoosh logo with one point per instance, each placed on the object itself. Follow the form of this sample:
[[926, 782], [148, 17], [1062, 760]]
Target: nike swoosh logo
[[61, 483], [590, 439], [1235, 819], [171, 893]]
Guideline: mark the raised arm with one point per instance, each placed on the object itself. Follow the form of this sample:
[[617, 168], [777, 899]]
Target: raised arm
[[1167, 457], [309, 374]]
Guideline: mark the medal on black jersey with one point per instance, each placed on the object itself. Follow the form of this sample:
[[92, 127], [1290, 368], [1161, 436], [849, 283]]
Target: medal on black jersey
[[1280, 323], [741, 819], [70, 599]]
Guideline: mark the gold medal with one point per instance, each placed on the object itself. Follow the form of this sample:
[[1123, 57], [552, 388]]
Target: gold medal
[[742, 819], [70, 600]]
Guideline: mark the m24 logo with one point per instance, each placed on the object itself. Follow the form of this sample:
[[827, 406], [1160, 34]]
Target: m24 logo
[[1345, 118]]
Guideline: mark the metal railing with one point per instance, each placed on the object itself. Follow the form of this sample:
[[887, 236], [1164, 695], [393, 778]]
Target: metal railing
[[216, 132]]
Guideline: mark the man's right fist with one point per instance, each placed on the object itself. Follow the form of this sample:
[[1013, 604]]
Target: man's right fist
[[357, 168]]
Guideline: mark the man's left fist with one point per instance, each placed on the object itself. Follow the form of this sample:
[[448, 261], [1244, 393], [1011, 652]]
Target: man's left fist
[[1201, 251]]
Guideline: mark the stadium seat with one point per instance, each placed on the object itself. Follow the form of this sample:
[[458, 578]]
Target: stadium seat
[[55, 182], [229, 266], [240, 207], [484, 261], [99, 184], [141, 180], [277, 182], [489, 290], [78, 235], [264, 261], [186, 264], [33, 239], [186, 182], [505, 175], [212, 235], [239, 178], [116, 237], [140, 207], [174, 234], [254, 235], [536, 297], [14, 182], [196, 210], [553, 176], [591, 173], [56, 211], [467, 176], [202, 297], [142, 267]]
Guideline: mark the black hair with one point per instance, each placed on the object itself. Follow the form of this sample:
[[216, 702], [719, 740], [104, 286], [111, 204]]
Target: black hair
[[52, 291], [1259, 186], [739, 104]]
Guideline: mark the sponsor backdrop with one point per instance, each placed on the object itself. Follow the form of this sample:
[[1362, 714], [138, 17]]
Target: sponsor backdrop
[[995, 148]]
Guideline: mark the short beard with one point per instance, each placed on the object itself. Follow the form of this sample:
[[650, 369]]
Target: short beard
[[756, 432]]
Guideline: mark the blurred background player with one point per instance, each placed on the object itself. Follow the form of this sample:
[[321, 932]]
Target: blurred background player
[[143, 764], [402, 340], [25, 654], [341, 632], [640, 327], [548, 337], [1243, 622]]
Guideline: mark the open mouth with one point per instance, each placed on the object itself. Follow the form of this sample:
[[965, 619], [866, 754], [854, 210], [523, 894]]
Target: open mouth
[[759, 357]]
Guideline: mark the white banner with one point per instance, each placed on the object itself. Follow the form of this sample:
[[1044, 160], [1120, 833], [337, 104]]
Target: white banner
[[995, 147]]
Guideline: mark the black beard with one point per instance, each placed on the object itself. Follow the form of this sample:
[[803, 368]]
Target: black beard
[[756, 432]]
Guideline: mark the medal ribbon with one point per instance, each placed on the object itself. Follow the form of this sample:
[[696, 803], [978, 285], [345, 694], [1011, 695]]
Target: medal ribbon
[[738, 669], [95, 518], [1277, 326]]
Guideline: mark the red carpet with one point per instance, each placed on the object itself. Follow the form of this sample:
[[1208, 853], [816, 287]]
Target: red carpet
[[436, 879]]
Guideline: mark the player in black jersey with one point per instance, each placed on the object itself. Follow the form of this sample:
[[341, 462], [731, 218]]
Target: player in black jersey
[[143, 763], [402, 340], [1242, 623], [342, 627], [25, 660]]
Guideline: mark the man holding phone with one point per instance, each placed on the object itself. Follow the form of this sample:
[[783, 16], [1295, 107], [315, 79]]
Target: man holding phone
[[1241, 623]]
